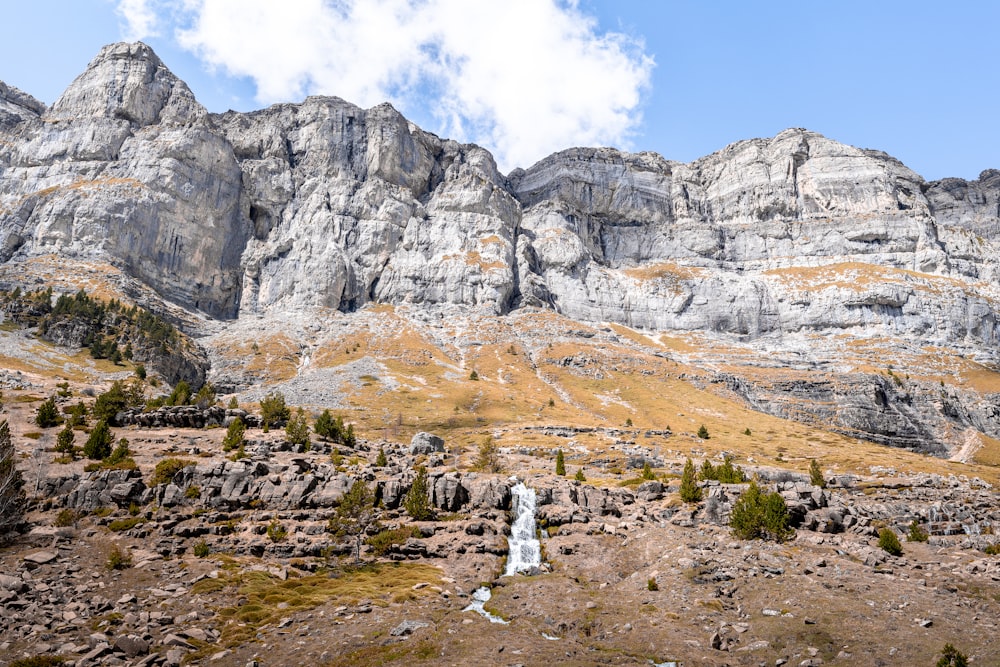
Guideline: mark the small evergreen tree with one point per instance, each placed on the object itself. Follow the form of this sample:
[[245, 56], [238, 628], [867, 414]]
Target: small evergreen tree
[[234, 435], [273, 411], [355, 515], [181, 395], [326, 427], [120, 455], [703, 432], [690, 493], [816, 475], [64, 441], [12, 496], [579, 476], [707, 471], [98, 445], [417, 502], [488, 459], [759, 515], [916, 533], [297, 429], [889, 543], [474, 376], [110, 403], [205, 396], [647, 471], [381, 460], [560, 463], [47, 414], [952, 657]]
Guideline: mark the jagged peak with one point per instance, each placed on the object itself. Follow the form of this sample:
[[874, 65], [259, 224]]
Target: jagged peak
[[128, 81]]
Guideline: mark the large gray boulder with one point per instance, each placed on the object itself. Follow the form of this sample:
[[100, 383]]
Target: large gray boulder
[[426, 443]]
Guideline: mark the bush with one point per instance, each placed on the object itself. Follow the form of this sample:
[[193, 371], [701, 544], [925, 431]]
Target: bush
[[760, 515], [417, 502], [205, 396], [110, 403], [118, 525], [726, 473], [355, 514], [651, 584], [382, 541], [166, 469], [474, 376], [65, 518], [47, 414], [579, 476], [181, 395], [889, 543], [98, 445], [816, 475], [381, 460], [201, 549], [690, 493], [560, 463], [39, 661], [276, 532], [703, 432], [192, 492], [119, 559], [916, 533], [647, 471]]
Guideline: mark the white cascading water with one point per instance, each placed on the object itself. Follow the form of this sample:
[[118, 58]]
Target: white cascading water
[[524, 549]]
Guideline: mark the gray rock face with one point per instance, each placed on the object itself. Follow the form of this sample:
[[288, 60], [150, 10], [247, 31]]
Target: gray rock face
[[426, 443]]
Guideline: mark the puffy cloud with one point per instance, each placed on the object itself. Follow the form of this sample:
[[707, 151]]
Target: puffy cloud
[[522, 77], [140, 19]]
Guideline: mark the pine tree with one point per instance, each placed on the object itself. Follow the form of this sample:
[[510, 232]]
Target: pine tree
[[47, 414], [647, 471], [98, 445], [560, 463], [355, 515], [234, 435], [690, 493], [273, 411], [816, 475], [417, 502], [760, 515], [12, 497], [64, 441], [579, 476], [488, 459], [381, 460], [703, 432], [297, 429], [325, 427]]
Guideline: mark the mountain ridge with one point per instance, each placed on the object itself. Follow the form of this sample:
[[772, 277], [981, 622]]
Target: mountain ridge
[[770, 244]]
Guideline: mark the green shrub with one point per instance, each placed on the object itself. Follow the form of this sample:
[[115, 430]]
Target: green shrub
[[651, 584], [916, 533], [560, 463], [64, 441], [66, 517], [118, 525], [993, 549], [166, 469], [488, 459], [201, 549], [579, 476], [726, 473], [118, 558], [181, 395], [474, 376], [381, 460], [690, 492], [382, 541], [760, 515], [889, 543], [703, 432], [192, 492], [647, 471], [276, 532]]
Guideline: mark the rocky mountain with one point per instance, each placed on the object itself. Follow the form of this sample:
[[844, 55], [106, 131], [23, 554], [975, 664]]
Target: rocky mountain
[[772, 243]]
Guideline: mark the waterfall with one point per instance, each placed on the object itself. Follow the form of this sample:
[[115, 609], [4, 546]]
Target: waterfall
[[480, 597], [524, 549]]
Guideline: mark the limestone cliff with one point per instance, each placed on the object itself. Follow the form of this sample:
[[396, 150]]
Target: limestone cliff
[[324, 204]]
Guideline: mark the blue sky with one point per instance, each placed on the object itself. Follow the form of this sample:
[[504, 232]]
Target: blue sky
[[916, 79]]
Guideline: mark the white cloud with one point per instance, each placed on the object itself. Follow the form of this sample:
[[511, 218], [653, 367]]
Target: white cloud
[[140, 19], [522, 77]]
